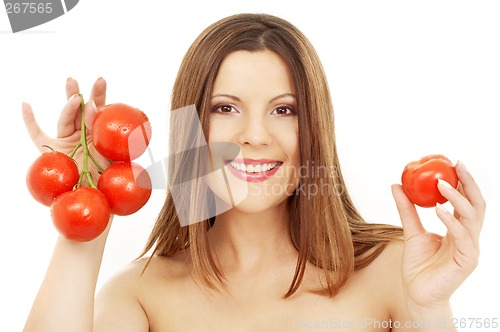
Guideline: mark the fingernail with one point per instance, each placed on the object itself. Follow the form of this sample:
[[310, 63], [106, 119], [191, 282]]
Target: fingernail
[[75, 96], [445, 184], [441, 208], [462, 165], [93, 105], [24, 105]]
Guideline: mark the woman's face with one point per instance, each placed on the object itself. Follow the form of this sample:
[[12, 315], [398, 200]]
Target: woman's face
[[253, 107]]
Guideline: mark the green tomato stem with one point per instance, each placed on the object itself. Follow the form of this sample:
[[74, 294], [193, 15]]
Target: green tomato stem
[[83, 143], [47, 147], [78, 146], [99, 168]]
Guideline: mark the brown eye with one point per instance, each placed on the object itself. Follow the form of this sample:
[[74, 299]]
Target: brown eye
[[283, 110], [226, 109]]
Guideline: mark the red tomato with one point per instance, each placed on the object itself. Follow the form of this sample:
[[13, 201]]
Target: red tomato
[[121, 132], [81, 214], [420, 178], [127, 187], [50, 175]]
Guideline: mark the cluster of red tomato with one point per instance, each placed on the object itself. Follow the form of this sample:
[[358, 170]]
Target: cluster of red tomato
[[80, 208]]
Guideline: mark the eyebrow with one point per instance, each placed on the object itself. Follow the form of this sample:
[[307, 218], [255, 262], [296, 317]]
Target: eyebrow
[[288, 94]]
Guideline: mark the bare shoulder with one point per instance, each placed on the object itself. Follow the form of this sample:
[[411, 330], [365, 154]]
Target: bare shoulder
[[132, 278], [123, 301], [129, 274], [386, 270], [387, 266], [390, 259], [117, 307]]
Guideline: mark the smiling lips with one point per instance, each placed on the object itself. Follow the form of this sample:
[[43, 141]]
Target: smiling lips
[[253, 170]]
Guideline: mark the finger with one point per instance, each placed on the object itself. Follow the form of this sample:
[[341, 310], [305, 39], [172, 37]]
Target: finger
[[459, 201], [460, 189], [466, 254], [72, 88], [38, 137], [90, 112], [467, 214], [67, 120], [412, 225], [98, 93], [471, 190]]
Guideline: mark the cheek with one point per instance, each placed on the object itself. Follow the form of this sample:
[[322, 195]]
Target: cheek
[[219, 130], [288, 139]]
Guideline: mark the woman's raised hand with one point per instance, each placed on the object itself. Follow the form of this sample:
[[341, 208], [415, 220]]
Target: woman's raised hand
[[70, 124], [435, 266]]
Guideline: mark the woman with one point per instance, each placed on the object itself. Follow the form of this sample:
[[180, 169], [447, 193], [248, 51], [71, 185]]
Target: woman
[[269, 240]]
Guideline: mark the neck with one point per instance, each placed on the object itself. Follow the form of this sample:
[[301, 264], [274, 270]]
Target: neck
[[252, 242]]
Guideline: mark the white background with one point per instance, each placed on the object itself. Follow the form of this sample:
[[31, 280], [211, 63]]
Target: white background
[[407, 78]]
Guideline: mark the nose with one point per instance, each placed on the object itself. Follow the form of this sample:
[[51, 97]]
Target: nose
[[254, 131]]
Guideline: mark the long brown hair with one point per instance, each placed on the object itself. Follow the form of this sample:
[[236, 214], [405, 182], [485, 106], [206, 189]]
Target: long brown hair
[[326, 229]]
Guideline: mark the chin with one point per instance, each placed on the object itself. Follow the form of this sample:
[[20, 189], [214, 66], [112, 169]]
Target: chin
[[252, 199], [257, 205]]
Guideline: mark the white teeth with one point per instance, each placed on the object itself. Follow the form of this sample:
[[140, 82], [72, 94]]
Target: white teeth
[[253, 168]]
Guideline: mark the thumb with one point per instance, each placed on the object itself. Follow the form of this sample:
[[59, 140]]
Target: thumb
[[412, 225], [37, 135]]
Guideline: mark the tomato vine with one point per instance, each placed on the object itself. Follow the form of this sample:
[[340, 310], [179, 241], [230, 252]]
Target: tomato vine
[[86, 152]]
